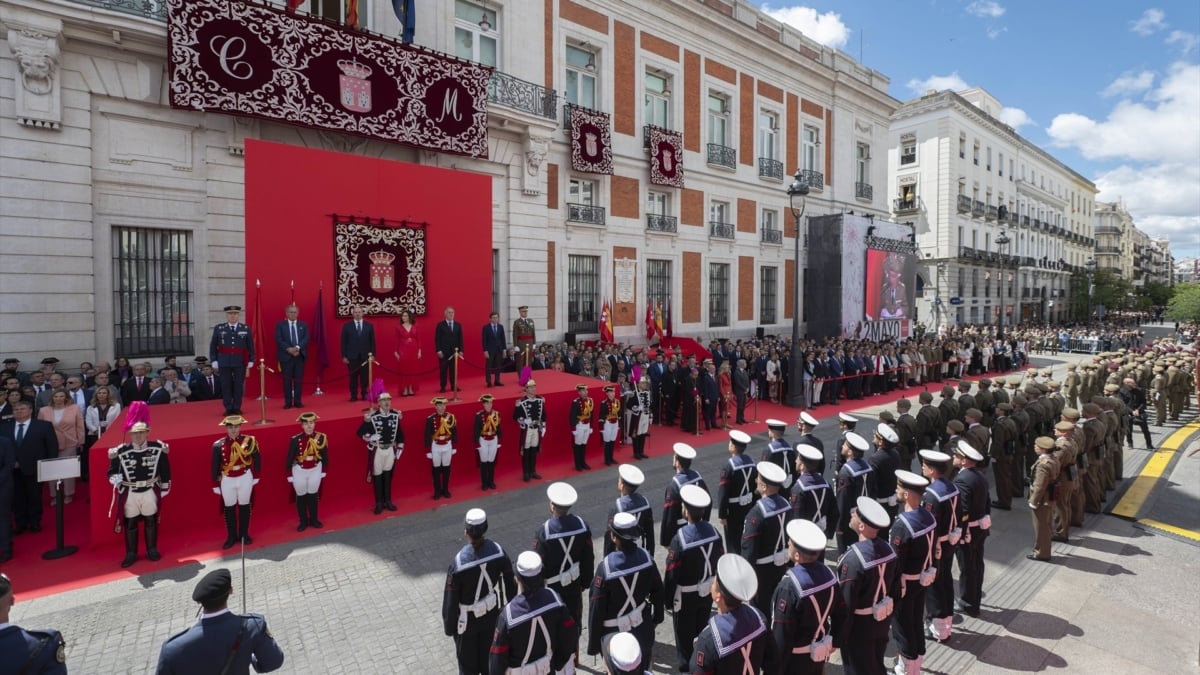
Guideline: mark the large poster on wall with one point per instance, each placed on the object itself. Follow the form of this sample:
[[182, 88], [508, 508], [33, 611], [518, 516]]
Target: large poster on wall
[[890, 289]]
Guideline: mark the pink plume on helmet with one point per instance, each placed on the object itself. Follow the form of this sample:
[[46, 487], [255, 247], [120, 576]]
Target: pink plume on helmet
[[376, 389], [138, 412]]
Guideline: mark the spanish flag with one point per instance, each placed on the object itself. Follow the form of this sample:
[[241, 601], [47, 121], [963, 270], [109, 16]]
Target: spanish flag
[[606, 327], [352, 13]]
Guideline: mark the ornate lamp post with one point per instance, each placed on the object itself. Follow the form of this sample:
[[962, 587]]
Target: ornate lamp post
[[1001, 242], [1091, 274], [937, 295], [797, 198]]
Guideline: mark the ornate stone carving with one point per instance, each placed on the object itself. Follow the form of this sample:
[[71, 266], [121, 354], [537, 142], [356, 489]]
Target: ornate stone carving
[[534, 178], [36, 50]]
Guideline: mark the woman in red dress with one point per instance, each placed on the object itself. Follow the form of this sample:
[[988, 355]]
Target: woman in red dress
[[408, 353], [725, 384]]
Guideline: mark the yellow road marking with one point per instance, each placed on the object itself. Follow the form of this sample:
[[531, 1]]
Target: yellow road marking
[[1137, 494], [1179, 531]]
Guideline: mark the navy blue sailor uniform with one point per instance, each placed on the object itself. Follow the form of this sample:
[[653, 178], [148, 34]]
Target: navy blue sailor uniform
[[975, 520], [672, 518], [780, 452], [941, 499], [32, 651], [812, 498], [809, 439], [241, 641], [691, 565], [867, 573], [884, 462], [230, 350], [764, 545], [534, 632], [853, 481], [914, 537], [626, 596], [807, 614], [478, 583], [639, 506], [565, 545], [736, 495], [734, 643]]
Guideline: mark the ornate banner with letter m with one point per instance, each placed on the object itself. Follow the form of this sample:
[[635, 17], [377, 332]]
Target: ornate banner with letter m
[[250, 59], [380, 267]]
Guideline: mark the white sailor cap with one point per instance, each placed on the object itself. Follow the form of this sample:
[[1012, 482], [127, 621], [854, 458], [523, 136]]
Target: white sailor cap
[[736, 577], [911, 480], [529, 564], [887, 433], [967, 450], [695, 496], [810, 452], [739, 437], [562, 494], [933, 457], [476, 517], [857, 442], [625, 525], [806, 536], [872, 513], [684, 450], [621, 653], [775, 424], [631, 475], [771, 473], [843, 417], [808, 419]]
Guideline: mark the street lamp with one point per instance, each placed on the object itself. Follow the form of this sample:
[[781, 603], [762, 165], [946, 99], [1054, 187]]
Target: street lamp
[[797, 198], [1001, 242], [1091, 274], [937, 295]]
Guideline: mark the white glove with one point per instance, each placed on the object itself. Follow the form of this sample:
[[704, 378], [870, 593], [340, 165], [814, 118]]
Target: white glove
[[291, 480], [255, 482], [163, 494], [216, 491], [1032, 507], [115, 479], [400, 447], [322, 475], [526, 422]]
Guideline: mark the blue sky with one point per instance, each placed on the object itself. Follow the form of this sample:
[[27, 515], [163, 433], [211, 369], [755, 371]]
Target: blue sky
[[1110, 89]]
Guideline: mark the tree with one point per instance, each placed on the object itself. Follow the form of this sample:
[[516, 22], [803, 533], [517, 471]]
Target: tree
[[1110, 290], [1185, 304], [1157, 294]]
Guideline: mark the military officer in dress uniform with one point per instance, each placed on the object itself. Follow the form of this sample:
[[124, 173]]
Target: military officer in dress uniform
[[941, 499], [1003, 441], [307, 461], [535, 631], [691, 563], [807, 424], [236, 464], [385, 443], [140, 473], [738, 639], [807, 607], [478, 583], [867, 572], [487, 441], [914, 536], [764, 541], [642, 417], [564, 543], [230, 351], [779, 451], [221, 642], [811, 496], [626, 592], [610, 418], [530, 413], [28, 651], [621, 654], [853, 481], [441, 434], [629, 479], [737, 489], [672, 518], [1042, 497], [582, 414], [975, 519], [524, 337]]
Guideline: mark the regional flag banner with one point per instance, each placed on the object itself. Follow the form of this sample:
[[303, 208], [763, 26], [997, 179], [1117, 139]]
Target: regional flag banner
[[591, 140], [666, 157], [239, 58]]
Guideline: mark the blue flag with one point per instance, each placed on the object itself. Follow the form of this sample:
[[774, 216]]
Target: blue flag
[[406, 12]]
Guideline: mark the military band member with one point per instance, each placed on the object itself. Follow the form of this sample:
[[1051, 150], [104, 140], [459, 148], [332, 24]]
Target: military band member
[[236, 463], [941, 499], [854, 480], [441, 434], [478, 583], [807, 606], [764, 541], [975, 519], [385, 443], [535, 631], [811, 496], [487, 440], [672, 518], [28, 651], [867, 572], [622, 655], [642, 417], [691, 565], [626, 592], [610, 418], [530, 413], [737, 489], [629, 479], [140, 473], [779, 451], [564, 542], [524, 337], [307, 461], [807, 424], [914, 537], [582, 414], [738, 639], [230, 350]]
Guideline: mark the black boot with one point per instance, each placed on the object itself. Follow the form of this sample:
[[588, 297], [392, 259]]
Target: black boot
[[152, 538], [302, 512], [377, 483], [131, 542], [491, 475], [387, 490], [446, 481], [608, 453], [436, 473], [244, 524], [312, 511], [231, 533], [578, 456], [533, 453], [483, 479], [525, 465]]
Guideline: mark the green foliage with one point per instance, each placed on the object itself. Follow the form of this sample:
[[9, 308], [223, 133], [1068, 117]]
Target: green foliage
[[1110, 290], [1185, 304], [1156, 294]]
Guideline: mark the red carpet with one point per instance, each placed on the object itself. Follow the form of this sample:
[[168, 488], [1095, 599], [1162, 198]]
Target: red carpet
[[192, 529]]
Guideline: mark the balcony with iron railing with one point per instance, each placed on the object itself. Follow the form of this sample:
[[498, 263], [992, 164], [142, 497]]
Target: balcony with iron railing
[[770, 168], [901, 205], [646, 134], [772, 236], [156, 9], [722, 156], [978, 209], [517, 94], [864, 191], [992, 213], [656, 222], [1108, 250], [1024, 221], [815, 180], [719, 230], [964, 204], [585, 213], [1108, 229]]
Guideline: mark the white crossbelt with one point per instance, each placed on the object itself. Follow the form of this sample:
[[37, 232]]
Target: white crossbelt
[[632, 618], [704, 586], [779, 557], [819, 638]]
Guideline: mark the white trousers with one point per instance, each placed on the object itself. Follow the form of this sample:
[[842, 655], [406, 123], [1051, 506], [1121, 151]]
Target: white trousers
[[487, 449], [609, 433], [141, 504], [237, 490], [440, 454], [581, 433], [306, 481], [385, 459]]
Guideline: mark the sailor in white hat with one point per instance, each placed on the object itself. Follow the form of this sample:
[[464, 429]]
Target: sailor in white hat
[[779, 451], [479, 578], [627, 591], [975, 506], [629, 479], [867, 572], [736, 640], [807, 424], [738, 488], [535, 629], [672, 518], [846, 424], [812, 498], [941, 499], [691, 563], [854, 480], [565, 544], [914, 536], [884, 461], [764, 542], [806, 604], [621, 654]]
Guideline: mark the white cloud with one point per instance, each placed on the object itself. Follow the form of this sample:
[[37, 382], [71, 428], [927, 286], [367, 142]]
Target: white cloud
[[1184, 40], [1130, 83], [1015, 117], [938, 83], [1150, 22], [826, 28], [1162, 199], [986, 8], [994, 33]]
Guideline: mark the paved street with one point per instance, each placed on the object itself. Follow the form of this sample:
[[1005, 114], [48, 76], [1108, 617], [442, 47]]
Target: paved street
[[1119, 598]]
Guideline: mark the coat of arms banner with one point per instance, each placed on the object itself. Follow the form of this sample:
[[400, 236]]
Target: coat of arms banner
[[591, 141], [666, 157], [244, 58], [380, 268]]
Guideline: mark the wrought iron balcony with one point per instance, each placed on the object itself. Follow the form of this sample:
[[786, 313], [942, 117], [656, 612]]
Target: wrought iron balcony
[[151, 9], [864, 191], [1108, 250], [659, 223], [772, 236], [1002, 214], [1107, 229], [770, 168], [815, 180], [513, 92], [1024, 221], [719, 230], [1036, 224], [722, 156], [964, 204], [978, 208], [900, 205], [585, 213], [992, 213], [908, 158]]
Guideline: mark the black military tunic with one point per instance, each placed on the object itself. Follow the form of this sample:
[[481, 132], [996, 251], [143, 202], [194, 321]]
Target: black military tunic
[[884, 462], [914, 536], [867, 572], [807, 609], [736, 495], [535, 627], [479, 582], [734, 643], [691, 565], [385, 425], [626, 597], [809, 439], [565, 545], [764, 545], [853, 481], [672, 518], [974, 518], [639, 506], [812, 499], [778, 451]]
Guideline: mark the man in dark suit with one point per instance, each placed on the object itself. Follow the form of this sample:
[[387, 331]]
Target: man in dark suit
[[208, 385], [710, 392], [291, 348], [741, 389], [158, 395], [8, 460], [448, 341], [358, 344], [494, 346], [34, 440]]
